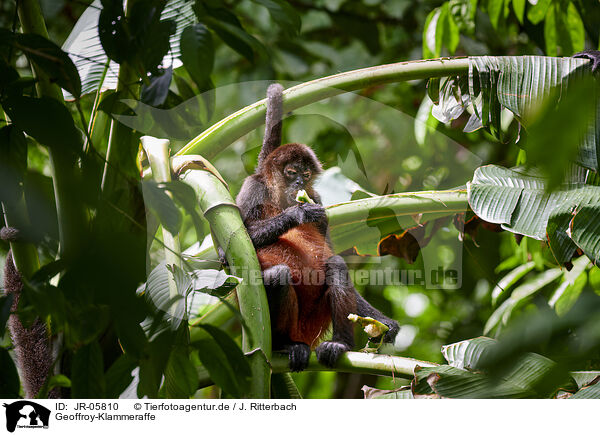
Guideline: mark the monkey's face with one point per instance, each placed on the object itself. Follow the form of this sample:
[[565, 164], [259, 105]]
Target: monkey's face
[[296, 176], [288, 169]]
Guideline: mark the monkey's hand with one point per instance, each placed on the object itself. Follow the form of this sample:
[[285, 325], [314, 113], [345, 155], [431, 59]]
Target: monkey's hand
[[593, 56], [310, 213], [390, 335]]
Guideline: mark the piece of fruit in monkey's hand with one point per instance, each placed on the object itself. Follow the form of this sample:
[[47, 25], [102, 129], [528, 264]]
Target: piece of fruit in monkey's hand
[[302, 196], [374, 329]]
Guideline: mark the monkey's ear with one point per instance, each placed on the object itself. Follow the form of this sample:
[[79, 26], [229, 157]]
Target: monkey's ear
[[272, 137]]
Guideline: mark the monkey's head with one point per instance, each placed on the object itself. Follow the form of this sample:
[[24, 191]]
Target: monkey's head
[[291, 168]]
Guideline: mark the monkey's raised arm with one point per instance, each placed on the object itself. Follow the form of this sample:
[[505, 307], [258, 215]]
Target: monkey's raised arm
[[272, 137], [251, 201], [266, 232]]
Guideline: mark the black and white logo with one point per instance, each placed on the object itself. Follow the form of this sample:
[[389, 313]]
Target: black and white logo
[[24, 414]]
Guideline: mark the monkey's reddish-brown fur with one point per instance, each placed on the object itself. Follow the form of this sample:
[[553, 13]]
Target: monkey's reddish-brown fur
[[304, 250]]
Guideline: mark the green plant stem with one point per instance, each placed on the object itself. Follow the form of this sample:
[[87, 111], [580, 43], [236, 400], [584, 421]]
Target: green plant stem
[[349, 222], [157, 151], [350, 362], [120, 170], [71, 214], [228, 130], [122, 142], [24, 255], [229, 232]]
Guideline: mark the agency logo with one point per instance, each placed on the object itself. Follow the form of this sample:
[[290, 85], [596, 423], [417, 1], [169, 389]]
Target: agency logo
[[24, 414]]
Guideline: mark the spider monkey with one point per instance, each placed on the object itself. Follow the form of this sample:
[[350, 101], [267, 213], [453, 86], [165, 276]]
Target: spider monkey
[[308, 287]]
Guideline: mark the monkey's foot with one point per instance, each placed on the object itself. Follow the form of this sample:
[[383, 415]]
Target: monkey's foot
[[329, 352], [299, 356], [592, 55]]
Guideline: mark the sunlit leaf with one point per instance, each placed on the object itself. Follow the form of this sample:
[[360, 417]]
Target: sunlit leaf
[[520, 203], [538, 11], [510, 279]]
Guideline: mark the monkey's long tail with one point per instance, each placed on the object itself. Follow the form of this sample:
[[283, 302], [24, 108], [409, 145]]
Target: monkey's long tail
[[273, 118], [32, 345]]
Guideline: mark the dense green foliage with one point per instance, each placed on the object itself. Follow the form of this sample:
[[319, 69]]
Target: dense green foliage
[[70, 181]]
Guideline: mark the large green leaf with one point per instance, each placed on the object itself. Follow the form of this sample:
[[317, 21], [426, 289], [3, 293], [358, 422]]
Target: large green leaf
[[527, 376], [181, 378], [521, 83], [440, 32], [452, 382], [87, 373], [84, 47], [198, 53], [46, 119], [567, 218], [224, 360], [584, 378], [119, 376], [229, 28], [465, 354], [589, 392], [54, 61]]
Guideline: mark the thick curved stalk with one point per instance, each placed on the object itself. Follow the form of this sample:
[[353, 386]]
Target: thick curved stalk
[[228, 130], [349, 222], [24, 255], [157, 151], [350, 362], [229, 232], [71, 214]]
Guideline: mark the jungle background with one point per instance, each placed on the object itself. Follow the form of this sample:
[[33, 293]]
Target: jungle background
[[241, 47]]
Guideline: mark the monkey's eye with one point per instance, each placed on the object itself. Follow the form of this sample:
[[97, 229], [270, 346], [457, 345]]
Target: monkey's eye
[[290, 173], [306, 175]]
